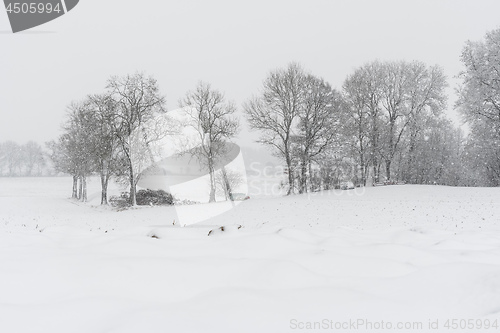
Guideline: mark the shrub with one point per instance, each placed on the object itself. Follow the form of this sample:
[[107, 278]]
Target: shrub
[[120, 202], [155, 198]]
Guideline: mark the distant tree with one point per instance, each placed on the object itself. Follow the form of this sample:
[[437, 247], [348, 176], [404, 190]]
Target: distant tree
[[12, 158], [32, 157], [137, 102], [212, 117], [275, 113], [64, 159]]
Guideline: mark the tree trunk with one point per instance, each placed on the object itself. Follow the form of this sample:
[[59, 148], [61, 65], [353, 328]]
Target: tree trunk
[[365, 174], [388, 169], [212, 187], [80, 188], [303, 177], [290, 174], [74, 194], [133, 199], [104, 188], [375, 149], [362, 168], [376, 173], [312, 181], [211, 172], [392, 150], [410, 176], [84, 189], [227, 185]]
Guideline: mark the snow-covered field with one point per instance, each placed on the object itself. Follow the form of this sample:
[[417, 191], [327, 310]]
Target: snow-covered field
[[395, 255]]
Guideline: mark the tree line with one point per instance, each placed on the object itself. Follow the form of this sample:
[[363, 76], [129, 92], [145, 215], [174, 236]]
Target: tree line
[[18, 160], [388, 115], [117, 133], [102, 134], [385, 124]]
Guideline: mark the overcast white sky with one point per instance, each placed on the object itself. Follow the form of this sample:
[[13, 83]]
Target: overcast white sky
[[231, 44]]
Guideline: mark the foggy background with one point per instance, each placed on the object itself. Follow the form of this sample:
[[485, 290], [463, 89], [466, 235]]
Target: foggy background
[[231, 44]]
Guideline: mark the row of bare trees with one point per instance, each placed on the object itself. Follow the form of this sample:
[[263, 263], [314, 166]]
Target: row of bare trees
[[118, 133], [109, 134], [388, 114], [391, 105], [386, 123], [298, 116], [21, 160]]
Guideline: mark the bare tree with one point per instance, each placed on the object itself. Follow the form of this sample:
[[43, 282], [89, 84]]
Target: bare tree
[[426, 99], [227, 180], [79, 134], [394, 90], [66, 159], [78, 150], [482, 154], [275, 113], [358, 120], [137, 101], [12, 158], [21, 160], [479, 95], [479, 104], [362, 94], [320, 121], [409, 90], [104, 142], [213, 120], [389, 103], [32, 157]]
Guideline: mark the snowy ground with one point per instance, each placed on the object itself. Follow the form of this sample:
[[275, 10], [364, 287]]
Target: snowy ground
[[397, 254]]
